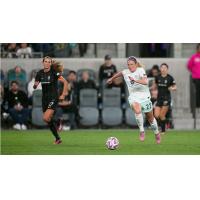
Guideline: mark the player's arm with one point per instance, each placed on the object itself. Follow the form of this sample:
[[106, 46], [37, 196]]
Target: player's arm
[[172, 87], [65, 88], [37, 80], [143, 80], [110, 80]]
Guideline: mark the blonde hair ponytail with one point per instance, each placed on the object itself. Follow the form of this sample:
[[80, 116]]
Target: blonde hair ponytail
[[139, 64]]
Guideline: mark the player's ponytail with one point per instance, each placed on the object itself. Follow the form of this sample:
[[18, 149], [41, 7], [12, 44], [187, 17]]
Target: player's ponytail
[[57, 66]]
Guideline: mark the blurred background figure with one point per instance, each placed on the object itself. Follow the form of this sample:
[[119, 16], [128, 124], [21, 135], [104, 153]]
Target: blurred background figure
[[107, 70], [11, 50], [24, 51], [86, 82], [69, 105], [19, 75], [194, 68], [82, 48], [154, 72], [17, 106]]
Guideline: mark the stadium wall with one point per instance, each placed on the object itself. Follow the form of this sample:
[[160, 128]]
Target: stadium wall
[[177, 68]]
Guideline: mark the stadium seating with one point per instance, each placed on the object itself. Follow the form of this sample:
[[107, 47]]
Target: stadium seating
[[37, 109], [88, 107], [112, 112]]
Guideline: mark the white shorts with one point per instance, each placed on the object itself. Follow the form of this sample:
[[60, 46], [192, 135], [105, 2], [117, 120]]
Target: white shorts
[[143, 100]]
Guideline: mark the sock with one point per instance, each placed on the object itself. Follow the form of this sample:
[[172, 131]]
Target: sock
[[154, 126], [53, 130], [140, 121], [162, 124]]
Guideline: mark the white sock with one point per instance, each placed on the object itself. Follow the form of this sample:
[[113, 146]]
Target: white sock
[[154, 126], [140, 121]]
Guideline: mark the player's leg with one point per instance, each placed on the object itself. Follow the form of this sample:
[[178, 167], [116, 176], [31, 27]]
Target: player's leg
[[48, 118], [154, 126], [163, 112], [139, 118], [157, 112]]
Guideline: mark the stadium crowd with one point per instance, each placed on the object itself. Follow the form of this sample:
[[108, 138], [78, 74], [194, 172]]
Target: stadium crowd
[[35, 50]]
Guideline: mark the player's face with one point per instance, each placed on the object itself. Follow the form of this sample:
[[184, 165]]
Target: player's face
[[132, 65], [47, 63], [163, 69]]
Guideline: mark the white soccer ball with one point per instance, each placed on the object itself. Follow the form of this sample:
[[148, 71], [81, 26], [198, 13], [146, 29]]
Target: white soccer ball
[[112, 143]]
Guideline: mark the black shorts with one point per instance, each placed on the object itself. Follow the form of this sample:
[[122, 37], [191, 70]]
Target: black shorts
[[49, 104], [163, 102]]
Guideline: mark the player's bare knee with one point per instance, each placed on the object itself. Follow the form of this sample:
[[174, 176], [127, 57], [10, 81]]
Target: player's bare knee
[[46, 119]]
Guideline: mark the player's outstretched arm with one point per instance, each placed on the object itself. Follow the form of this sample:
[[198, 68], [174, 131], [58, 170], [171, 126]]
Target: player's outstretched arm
[[65, 88], [36, 84], [110, 80]]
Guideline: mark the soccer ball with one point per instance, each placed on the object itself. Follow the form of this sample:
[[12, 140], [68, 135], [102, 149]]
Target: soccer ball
[[112, 143]]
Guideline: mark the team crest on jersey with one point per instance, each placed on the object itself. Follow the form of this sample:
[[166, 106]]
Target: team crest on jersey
[[48, 78], [165, 81]]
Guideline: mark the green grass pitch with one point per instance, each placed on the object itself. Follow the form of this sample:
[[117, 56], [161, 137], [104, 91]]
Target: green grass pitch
[[92, 142]]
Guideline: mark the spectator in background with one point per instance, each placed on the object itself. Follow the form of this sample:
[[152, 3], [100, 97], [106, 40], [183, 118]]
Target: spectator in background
[[24, 51], [86, 82], [69, 105], [2, 77], [194, 68], [30, 86], [82, 48], [19, 75], [154, 72], [107, 70], [12, 50], [17, 106]]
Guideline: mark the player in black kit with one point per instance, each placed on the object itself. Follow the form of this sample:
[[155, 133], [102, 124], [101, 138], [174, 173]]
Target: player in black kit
[[165, 84], [48, 76]]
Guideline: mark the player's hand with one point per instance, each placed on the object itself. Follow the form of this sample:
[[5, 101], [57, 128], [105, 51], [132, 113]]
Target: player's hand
[[109, 81], [35, 85], [62, 97], [131, 79]]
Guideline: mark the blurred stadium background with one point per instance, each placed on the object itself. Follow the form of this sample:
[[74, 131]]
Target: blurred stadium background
[[94, 112]]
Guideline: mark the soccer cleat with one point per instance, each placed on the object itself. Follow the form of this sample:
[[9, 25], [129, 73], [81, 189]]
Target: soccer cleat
[[59, 141], [142, 136], [158, 138]]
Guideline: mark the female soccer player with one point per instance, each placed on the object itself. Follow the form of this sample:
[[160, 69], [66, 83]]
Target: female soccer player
[[48, 76], [139, 95], [165, 83]]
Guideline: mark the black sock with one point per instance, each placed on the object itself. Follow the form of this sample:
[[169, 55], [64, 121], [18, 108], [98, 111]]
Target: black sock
[[162, 124], [53, 130]]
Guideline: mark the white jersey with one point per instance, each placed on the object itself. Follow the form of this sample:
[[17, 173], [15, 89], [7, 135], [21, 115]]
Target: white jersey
[[137, 90]]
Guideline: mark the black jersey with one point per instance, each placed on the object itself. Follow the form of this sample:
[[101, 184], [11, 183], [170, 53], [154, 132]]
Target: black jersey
[[163, 84], [49, 84]]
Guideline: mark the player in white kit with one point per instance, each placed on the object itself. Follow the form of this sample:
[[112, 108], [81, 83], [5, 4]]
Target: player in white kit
[[139, 95]]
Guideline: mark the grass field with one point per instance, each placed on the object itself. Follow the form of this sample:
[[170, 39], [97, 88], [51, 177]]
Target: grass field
[[92, 142]]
